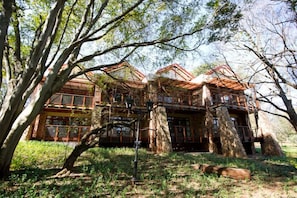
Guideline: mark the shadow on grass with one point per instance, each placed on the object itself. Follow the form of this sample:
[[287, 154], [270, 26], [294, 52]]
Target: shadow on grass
[[108, 172]]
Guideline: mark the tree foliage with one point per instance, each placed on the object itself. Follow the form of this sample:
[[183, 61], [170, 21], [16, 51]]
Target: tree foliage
[[61, 40], [203, 68]]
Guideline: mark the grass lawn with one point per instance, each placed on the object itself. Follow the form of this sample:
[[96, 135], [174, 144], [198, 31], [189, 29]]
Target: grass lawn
[[107, 173]]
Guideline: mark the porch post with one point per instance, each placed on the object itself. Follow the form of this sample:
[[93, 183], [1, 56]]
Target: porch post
[[231, 144], [163, 138]]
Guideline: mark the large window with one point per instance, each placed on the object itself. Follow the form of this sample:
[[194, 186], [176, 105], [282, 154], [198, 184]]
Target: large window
[[66, 128], [71, 100]]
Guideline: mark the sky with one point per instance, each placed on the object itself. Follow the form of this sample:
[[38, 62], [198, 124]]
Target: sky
[[263, 15]]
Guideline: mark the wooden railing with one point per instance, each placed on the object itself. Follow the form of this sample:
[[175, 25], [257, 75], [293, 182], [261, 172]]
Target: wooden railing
[[230, 100], [65, 132], [180, 135], [70, 100], [123, 138], [180, 99]]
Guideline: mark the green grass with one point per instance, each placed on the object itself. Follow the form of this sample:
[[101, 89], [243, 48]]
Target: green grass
[[107, 173]]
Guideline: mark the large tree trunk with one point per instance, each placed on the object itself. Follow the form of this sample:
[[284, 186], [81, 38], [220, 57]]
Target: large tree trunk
[[90, 140], [6, 12], [292, 114], [9, 145], [270, 147], [20, 123], [8, 148], [14, 119], [77, 151], [6, 154], [231, 144]]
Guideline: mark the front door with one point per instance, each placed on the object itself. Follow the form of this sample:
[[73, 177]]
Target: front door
[[180, 131]]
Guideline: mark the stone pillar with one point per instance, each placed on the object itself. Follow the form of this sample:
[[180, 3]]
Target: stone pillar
[[212, 147], [231, 144], [152, 131], [269, 145], [152, 95], [163, 138]]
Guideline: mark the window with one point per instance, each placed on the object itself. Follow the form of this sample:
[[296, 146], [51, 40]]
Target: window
[[78, 100], [51, 131], [167, 99], [88, 102], [66, 127], [215, 126], [216, 98], [66, 100], [225, 99]]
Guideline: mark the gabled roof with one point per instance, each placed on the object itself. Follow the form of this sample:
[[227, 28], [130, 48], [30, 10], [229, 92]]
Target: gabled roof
[[176, 72], [221, 76], [222, 71], [124, 71], [227, 83], [178, 83]]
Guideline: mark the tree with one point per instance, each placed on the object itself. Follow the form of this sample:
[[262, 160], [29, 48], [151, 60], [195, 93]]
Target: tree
[[203, 68], [90, 140], [265, 45], [277, 54], [48, 39]]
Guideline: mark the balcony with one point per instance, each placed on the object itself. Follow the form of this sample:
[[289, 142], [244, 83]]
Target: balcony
[[181, 100], [234, 101], [231, 100], [70, 101]]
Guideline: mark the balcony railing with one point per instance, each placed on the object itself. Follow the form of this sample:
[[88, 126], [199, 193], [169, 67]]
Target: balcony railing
[[180, 99], [179, 134], [231, 100], [70, 100], [65, 132]]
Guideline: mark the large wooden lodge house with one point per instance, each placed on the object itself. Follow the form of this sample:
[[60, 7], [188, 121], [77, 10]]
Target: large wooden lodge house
[[183, 115]]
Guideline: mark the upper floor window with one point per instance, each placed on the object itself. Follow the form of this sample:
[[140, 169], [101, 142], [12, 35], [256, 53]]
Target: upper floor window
[[71, 100]]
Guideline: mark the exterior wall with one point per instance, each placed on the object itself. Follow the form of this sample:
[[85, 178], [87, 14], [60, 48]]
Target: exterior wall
[[183, 118]]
